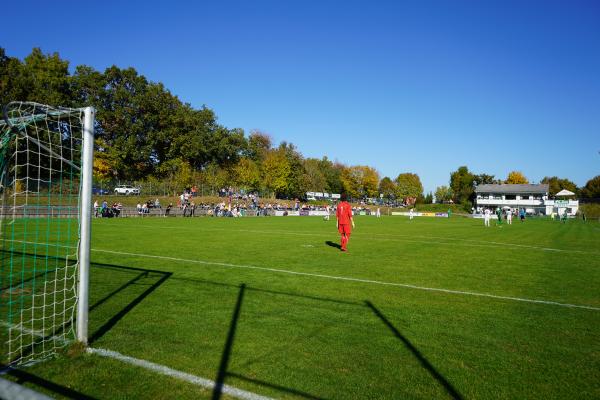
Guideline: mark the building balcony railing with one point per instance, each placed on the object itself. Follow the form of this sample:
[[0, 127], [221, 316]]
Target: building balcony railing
[[563, 203], [524, 202]]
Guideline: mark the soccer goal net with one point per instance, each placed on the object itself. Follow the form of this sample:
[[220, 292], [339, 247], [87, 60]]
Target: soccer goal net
[[45, 190]]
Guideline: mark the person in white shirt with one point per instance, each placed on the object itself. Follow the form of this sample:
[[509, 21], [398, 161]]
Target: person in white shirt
[[411, 213], [378, 213], [486, 217], [509, 216]]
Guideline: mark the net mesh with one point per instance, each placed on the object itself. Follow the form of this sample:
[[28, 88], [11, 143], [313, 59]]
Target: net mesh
[[40, 163]]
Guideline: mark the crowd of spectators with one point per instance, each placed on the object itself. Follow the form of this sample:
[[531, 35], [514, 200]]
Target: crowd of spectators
[[231, 204], [106, 211]]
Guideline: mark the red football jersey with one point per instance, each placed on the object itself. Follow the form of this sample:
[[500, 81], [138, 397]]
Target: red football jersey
[[344, 213]]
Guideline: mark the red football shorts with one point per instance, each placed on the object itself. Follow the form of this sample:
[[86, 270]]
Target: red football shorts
[[345, 229]]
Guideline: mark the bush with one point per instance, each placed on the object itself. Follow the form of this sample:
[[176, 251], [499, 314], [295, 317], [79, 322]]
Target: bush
[[592, 210]]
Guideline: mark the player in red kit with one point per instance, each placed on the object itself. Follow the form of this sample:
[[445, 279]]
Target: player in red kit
[[345, 223]]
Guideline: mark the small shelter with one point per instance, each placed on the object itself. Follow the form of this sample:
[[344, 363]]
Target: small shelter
[[570, 206], [565, 193]]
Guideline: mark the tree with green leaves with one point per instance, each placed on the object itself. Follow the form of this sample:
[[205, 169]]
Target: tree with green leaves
[[387, 188], [315, 178], [461, 184], [144, 132], [333, 175], [408, 185], [591, 190], [297, 184], [215, 177], [483, 179], [259, 144], [43, 78], [556, 184], [428, 199], [443, 194]]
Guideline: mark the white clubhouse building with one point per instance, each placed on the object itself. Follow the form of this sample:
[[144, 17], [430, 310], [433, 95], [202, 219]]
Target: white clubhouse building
[[533, 198]]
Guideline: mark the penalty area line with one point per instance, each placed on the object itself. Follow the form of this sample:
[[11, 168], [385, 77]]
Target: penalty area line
[[359, 280], [173, 373]]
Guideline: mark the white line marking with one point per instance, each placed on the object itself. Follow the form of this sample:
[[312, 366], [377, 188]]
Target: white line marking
[[184, 376], [405, 238], [354, 279], [343, 278]]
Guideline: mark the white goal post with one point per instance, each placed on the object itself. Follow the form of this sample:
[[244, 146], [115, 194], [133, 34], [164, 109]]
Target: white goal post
[[46, 162]]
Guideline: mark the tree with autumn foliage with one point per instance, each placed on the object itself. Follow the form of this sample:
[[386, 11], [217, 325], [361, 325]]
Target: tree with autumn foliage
[[276, 172], [360, 181], [516, 177], [246, 174]]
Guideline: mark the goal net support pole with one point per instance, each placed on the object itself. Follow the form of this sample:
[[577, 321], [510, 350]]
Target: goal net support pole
[[87, 156], [46, 167]]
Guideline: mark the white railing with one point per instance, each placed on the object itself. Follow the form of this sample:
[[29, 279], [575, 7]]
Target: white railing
[[563, 203], [524, 202]]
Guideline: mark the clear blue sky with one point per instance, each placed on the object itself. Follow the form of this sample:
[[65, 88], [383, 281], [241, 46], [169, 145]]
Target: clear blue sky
[[403, 86]]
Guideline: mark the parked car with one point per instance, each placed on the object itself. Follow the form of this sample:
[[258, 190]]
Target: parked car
[[99, 191], [127, 190]]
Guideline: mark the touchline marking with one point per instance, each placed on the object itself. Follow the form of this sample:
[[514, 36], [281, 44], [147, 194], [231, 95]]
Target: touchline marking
[[344, 278], [184, 376], [448, 241]]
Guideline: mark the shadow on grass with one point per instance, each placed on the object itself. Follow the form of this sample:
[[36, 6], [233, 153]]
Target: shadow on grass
[[424, 362], [25, 377], [277, 387], [269, 291], [222, 373], [332, 244], [143, 273], [140, 273], [27, 268]]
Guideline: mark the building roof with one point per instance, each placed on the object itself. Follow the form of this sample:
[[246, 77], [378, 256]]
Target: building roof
[[565, 192], [512, 188]]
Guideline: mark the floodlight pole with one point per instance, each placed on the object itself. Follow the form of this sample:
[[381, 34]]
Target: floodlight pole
[[85, 218]]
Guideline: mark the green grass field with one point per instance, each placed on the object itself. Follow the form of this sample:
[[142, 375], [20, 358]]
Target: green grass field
[[428, 308]]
